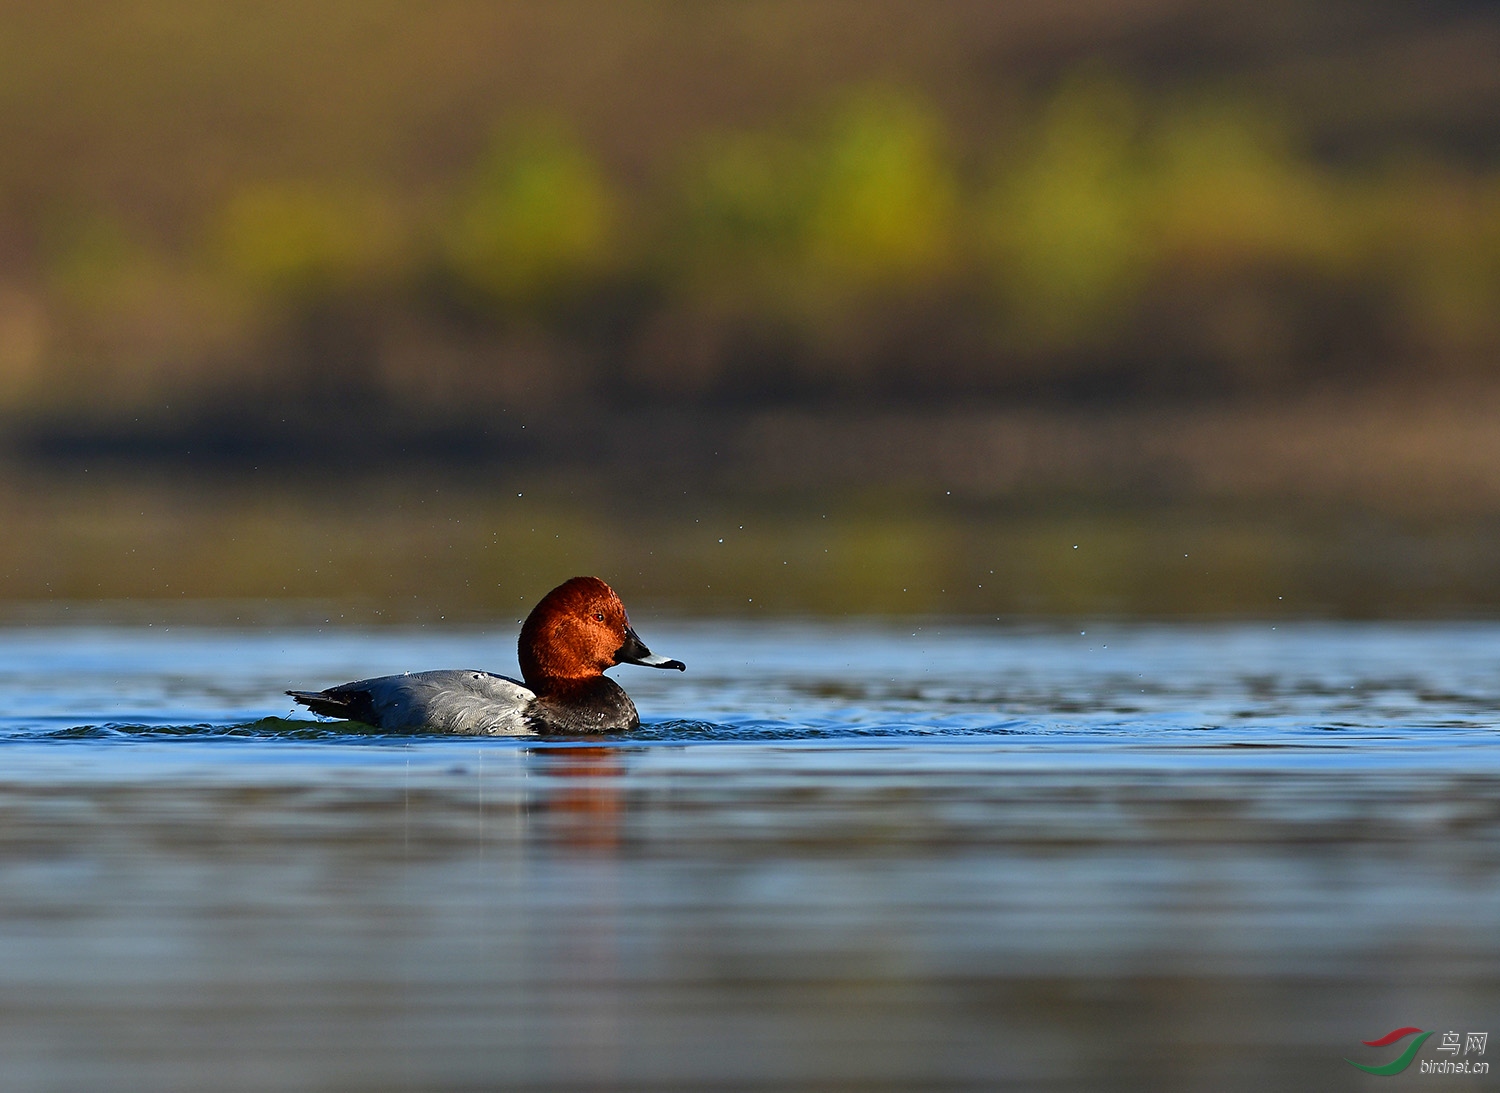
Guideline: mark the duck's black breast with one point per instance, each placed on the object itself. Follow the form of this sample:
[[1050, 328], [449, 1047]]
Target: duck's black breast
[[593, 705]]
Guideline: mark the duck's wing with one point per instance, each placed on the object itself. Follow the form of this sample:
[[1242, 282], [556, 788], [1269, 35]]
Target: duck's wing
[[459, 701]]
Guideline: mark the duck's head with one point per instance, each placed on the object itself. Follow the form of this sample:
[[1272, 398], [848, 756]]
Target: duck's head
[[578, 630]]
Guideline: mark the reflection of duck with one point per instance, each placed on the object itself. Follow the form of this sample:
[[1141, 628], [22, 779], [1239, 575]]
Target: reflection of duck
[[586, 806], [579, 629]]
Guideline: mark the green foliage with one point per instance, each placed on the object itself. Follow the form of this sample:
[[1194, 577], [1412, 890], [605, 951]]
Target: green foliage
[[741, 214], [93, 261], [1443, 251], [1110, 196], [804, 223], [1104, 227], [1109, 206], [535, 219]]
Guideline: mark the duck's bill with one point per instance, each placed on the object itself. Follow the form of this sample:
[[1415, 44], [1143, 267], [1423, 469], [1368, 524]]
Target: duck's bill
[[634, 651]]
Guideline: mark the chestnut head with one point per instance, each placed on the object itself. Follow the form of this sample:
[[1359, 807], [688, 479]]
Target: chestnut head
[[578, 630]]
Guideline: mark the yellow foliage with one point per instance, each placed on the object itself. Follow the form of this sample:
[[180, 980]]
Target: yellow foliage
[[1065, 221], [885, 199], [1228, 190], [300, 238]]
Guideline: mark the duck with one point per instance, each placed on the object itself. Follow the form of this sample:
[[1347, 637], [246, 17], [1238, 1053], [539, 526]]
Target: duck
[[578, 630]]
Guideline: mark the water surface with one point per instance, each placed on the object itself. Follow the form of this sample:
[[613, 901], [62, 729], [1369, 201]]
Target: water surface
[[876, 856]]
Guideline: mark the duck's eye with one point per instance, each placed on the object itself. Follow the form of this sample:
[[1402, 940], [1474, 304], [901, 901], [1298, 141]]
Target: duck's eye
[[599, 615]]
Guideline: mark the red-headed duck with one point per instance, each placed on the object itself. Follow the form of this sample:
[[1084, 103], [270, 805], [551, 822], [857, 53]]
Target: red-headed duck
[[578, 630]]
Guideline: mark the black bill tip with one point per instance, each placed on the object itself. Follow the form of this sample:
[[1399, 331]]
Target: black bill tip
[[634, 651]]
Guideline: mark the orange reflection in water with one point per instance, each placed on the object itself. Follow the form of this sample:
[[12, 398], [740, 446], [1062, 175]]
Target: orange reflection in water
[[585, 808]]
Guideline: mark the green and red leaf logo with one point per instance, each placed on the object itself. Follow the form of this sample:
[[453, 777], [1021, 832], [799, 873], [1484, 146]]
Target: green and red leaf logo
[[1402, 1061]]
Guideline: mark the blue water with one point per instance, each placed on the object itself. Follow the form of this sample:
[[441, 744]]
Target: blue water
[[836, 856]]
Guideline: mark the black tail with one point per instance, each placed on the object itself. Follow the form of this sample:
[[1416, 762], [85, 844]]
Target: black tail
[[326, 703]]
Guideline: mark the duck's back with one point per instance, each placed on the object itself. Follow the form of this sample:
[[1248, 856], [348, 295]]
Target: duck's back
[[458, 701]]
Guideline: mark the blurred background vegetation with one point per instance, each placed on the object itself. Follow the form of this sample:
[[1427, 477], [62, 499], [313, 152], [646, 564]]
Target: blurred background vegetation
[[289, 293]]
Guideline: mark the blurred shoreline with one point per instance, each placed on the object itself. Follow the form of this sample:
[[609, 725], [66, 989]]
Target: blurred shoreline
[[1384, 505], [1399, 450]]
